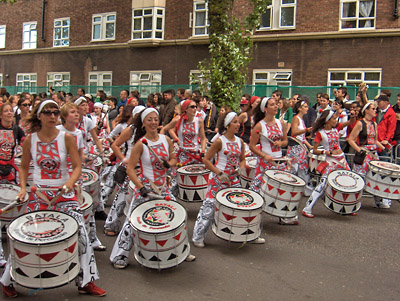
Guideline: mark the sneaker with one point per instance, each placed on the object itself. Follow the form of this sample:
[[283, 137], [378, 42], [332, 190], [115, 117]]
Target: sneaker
[[109, 233], [383, 204], [3, 262], [199, 244], [120, 264], [258, 240], [100, 215], [306, 214], [190, 258], [289, 221], [9, 291], [92, 290]]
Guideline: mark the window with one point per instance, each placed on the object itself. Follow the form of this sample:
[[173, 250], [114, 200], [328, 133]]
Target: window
[[61, 32], [104, 27], [357, 14], [29, 35], [353, 78], [281, 14], [200, 19], [148, 23], [100, 81], [26, 82], [143, 80], [58, 79], [281, 78], [2, 36]]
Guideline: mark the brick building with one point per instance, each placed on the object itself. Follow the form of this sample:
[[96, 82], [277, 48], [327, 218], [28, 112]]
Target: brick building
[[121, 42]]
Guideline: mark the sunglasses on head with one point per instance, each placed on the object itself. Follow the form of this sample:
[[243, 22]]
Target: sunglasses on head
[[49, 113]]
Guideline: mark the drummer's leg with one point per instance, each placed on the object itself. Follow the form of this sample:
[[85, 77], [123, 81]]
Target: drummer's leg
[[203, 221], [317, 193], [94, 240], [3, 261], [113, 222]]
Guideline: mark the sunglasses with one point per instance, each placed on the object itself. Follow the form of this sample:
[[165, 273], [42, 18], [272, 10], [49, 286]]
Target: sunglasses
[[25, 104], [49, 113], [192, 107], [242, 105]]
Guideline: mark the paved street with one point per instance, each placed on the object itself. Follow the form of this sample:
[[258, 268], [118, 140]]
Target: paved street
[[330, 257]]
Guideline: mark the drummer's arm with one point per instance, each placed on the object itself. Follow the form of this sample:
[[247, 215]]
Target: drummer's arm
[[96, 140], [80, 152], [170, 125], [378, 144], [254, 138], [242, 158], [72, 150], [133, 161], [214, 148], [353, 135], [172, 157], [202, 135], [23, 170], [116, 146]]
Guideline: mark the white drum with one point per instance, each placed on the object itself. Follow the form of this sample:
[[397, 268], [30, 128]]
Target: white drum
[[29, 180], [344, 191], [238, 214], [98, 164], [383, 180], [282, 192], [192, 182], [8, 194], [44, 249], [86, 207], [314, 161], [91, 184], [160, 234], [251, 164]]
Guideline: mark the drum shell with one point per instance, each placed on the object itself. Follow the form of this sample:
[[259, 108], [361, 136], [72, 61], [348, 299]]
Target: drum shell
[[91, 184], [8, 194], [29, 180], [86, 207], [44, 265], [314, 161], [164, 249], [97, 165], [341, 200], [237, 223], [281, 199], [245, 180], [382, 182], [192, 186]]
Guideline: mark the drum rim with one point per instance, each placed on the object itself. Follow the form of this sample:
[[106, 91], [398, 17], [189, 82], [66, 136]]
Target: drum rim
[[383, 167], [206, 171], [349, 171], [19, 188], [84, 193], [285, 172], [46, 243], [221, 191]]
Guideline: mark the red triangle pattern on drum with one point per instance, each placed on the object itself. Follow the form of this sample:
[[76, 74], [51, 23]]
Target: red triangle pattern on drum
[[228, 217], [194, 179], [205, 177], [182, 178], [71, 249], [377, 188], [357, 195], [280, 191], [249, 219], [48, 256], [396, 191], [368, 184], [162, 242], [86, 216], [345, 196], [387, 190], [21, 254], [144, 241], [293, 194], [178, 237], [216, 209], [270, 187], [334, 193]]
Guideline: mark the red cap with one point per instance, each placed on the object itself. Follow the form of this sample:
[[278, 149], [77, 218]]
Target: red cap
[[253, 99], [244, 102]]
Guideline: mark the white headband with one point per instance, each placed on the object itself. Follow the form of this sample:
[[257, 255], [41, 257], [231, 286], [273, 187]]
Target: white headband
[[147, 112], [137, 110], [365, 107], [79, 100], [302, 103], [264, 103], [98, 104], [43, 104], [329, 116], [228, 118]]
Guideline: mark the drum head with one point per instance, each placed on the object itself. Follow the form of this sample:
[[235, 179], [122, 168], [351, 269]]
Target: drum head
[[42, 227], [285, 177], [89, 176], [9, 193], [345, 181], [158, 216], [251, 162], [239, 198], [193, 169], [385, 165]]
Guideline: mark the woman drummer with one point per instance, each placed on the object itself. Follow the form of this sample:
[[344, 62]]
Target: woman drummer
[[230, 153], [267, 126], [10, 135], [153, 176], [49, 148], [298, 152], [327, 135], [363, 138]]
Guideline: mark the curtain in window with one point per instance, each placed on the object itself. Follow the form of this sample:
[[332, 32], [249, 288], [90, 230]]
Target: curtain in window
[[365, 11]]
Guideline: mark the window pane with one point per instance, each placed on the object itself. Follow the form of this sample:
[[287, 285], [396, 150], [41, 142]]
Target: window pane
[[349, 9], [93, 76], [288, 1], [137, 24], [65, 22], [137, 35], [159, 24], [96, 32], [147, 24], [57, 33], [97, 19], [337, 76], [33, 77], [287, 18], [148, 12], [111, 18], [159, 12], [199, 31], [137, 13], [266, 18], [65, 33], [200, 19], [65, 42], [107, 76], [372, 76], [261, 75], [57, 43], [158, 35], [354, 75], [200, 6], [110, 30], [57, 23], [147, 35]]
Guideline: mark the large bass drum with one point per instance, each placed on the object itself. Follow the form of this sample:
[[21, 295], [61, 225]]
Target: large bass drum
[[8, 194], [192, 182], [383, 180]]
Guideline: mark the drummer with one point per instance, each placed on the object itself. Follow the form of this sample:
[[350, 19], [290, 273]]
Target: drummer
[[230, 151], [266, 125], [363, 138], [326, 130], [10, 135], [112, 225], [49, 148], [153, 176]]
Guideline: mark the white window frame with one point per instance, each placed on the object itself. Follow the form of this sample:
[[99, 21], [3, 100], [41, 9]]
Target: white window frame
[[1, 79], [194, 18], [275, 9], [274, 77], [357, 17], [142, 80], [138, 34], [64, 41], [3, 29], [100, 81], [58, 79], [28, 82], [30, 43], [103, 26]]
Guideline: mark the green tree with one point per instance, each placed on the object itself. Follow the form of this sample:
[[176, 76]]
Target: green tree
[[230, 49], [9, 1]]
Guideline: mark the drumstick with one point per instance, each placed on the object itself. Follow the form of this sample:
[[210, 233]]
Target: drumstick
[[265, 136], [9, 206], [157, 197], [144, 141], [299, 143]]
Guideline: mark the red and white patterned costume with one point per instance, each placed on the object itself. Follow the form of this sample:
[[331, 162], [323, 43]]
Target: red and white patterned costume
[[189, 142]]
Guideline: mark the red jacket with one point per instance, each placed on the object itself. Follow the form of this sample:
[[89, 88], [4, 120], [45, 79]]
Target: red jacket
[[387, 126]]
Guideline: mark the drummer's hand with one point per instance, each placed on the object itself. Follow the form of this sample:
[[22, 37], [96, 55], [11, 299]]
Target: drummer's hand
[[144, 191], [21, 195], [87, 160], [125, 160], [242, 171], [309, 130], [278, 143], [165, 164], [268, 158], [68, 187], [384, 142], [223, 177]]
